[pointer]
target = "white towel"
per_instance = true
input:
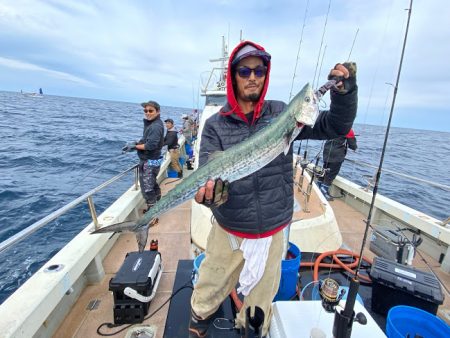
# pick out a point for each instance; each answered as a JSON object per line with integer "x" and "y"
{"x": 255, "y": 252}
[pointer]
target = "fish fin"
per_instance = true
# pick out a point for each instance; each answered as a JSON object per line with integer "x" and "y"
{"x": 117, "y": 227}
{"x": 141, "y": 238}
{"x": 214, "y": 155}
{"x": 289, "y": 139}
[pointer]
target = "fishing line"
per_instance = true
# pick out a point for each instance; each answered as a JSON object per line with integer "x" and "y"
{"x": 298, "y": 51}
{"x": 97, "y": 168}
{"x": 188, "y": 285}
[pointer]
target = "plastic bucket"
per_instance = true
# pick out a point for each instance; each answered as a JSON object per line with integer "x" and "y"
{"x": 172, "y": 173}
{"x": 197, "y": 261}
{"x": 189, "y": 150}
{"x": 289, "y": 274}
{"x": 405, "y": 320}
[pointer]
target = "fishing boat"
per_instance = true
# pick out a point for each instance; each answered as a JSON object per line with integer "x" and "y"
{"x": 33, "y": 94}
{"x": 75, "y": 293}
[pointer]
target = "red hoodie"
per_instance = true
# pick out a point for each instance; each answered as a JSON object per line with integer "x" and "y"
{"x": 231, "y": 97}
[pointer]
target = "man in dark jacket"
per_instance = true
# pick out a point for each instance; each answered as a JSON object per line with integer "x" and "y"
{"x": 334, "y": 153}
{"x": 149, "y": 152}
{"x": 258, "y": 207}
{"x": 171, "y": 141}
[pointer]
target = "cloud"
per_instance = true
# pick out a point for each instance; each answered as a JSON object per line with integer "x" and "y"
{"x": 133, "y": 49}
{"x": 24, "y": 66}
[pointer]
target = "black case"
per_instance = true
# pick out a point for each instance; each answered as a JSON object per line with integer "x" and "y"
{"x": 133, "y": 273}
{"x": 389, "y": 243}
{"x": 397, "y": 284}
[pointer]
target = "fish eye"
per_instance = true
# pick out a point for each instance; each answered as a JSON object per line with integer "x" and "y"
{"x": 307, "y": 99}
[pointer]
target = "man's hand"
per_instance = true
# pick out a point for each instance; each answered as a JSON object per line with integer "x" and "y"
{"x": 130, "y": 146}
{"x": 346, "y": 72}
{"x": 213, "y": 193}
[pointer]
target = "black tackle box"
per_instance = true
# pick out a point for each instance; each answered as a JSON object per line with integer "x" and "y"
{"x": 139, "y": 272}
{"x": 397, "y": 284}
{"x": 391, "y": 244}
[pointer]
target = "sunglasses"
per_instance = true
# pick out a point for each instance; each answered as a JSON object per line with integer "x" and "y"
{"x": 245, "y": 72}
{"x": 148, "y": 110}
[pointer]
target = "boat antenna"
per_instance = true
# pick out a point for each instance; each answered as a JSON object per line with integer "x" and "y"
{"x": 343, "y": 321}
{"x": 298, "y": 51}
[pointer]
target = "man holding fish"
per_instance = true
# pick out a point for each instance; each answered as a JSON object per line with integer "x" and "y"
{"x": 245, "y": 244}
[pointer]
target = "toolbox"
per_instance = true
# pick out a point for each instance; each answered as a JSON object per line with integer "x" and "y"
{"x": 396, "y": 284}
{"x": 134, "y": 286}
{"x": 391, "y": 244}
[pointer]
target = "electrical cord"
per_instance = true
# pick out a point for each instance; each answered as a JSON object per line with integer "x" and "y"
{"x": 111, "y": 325}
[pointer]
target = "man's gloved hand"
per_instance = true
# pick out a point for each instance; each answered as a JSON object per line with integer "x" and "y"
{"x": 347, "y": 73}
{"x": 129, "y": 146}
{"x": 213, "y": 193}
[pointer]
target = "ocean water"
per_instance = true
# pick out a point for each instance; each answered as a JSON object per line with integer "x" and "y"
{"x": 55, "y": 149}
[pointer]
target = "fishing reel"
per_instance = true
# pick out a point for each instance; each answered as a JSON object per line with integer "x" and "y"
{"x": 330, "y": 295}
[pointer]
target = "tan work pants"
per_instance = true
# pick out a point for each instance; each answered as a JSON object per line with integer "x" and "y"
{"x": 219, "y": 274}
{"x": 174, "y": 160}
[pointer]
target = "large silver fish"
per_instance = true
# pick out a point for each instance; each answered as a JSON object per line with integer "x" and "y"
{"x": 234, "y": 163}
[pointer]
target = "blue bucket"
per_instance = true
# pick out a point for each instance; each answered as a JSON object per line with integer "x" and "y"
{"x": 189, "y": 150}
{"x": 172, "y": 173}
{"x": 403, "y": 320}
{"x": 289, "y": 274}
{"x": 197, "y": 261}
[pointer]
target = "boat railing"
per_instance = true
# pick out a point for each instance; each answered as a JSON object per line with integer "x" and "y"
{"x": 57, "y": 213}
{"x": 212, "y": 84}
{"x": 409, "y": 177}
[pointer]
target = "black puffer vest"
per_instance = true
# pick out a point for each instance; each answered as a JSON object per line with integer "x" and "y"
{"x": 263, "y": 201}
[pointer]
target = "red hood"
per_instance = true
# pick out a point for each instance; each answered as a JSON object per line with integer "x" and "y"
{"x": 350, "y": 134}
{"x": 231, "y": 97}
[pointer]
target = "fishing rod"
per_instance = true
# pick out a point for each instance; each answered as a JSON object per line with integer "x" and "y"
{"x": 343, "y": 320}
{"x": 298, "y": 51}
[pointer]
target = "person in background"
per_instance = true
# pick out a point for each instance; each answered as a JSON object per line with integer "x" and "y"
{"x": 250, "y": 213}
{"x": 187, "y": 128}
{"x": 149, "y": 152}
{"x": 334, "y": 153}
{"x": 171, "y": 141}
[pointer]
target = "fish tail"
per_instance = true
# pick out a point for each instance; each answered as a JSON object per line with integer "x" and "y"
{"x": 118, "y": 227}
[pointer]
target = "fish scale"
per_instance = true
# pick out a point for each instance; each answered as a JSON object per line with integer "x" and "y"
{"x": 234, "y": 163}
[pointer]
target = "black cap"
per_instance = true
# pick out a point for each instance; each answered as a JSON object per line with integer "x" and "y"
{"x": 154, "y": 104}
{"x": 169, "y": 120}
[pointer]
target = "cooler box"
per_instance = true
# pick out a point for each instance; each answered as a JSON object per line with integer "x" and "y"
{"x": 139, "y": 272}
{"x": 391, "y": 244}
{"x": 397, "y": 284}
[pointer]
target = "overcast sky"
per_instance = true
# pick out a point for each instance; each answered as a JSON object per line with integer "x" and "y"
{"x": 139, "y": 50}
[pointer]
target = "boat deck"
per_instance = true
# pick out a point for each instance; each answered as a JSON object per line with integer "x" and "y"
{"x": 173, "y": 234}
{"x": 352, "y": 224}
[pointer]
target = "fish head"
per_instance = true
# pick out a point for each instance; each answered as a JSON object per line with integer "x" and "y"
{"x": 304, "y": 107}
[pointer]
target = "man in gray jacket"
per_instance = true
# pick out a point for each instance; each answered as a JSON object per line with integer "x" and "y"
{"x": 257, "y": 207}
{"x": 149, "y": 152}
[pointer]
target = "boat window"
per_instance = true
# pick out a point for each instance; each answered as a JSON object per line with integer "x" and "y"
{"x": 215, "y": 100}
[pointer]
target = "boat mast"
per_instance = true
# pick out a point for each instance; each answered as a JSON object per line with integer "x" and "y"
{"x": 343, "y": 320}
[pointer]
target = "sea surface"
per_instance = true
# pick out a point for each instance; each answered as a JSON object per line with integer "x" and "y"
{"x": 55, "y": 149}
